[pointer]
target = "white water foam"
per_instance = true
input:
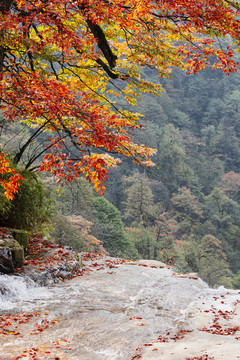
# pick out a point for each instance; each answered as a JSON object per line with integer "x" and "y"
{"x": 17, "y": 289}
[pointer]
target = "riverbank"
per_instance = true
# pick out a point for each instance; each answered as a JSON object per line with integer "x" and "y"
{"x": 112, "y": 309}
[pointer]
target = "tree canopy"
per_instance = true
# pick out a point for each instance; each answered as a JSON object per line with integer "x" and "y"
{"x": 68, "y": 68}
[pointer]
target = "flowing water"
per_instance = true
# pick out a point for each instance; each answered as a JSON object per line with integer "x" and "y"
{"x": 102, "y": 315}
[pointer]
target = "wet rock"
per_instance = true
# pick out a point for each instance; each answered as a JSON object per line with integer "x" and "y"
{"x": 53, "y": 275}
{"x": 6, "y": 263}
{"x": 16, "y": 249}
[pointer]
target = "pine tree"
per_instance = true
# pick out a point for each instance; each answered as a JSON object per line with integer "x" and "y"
{"x": 139, "y": 205}
{"x": 212, "y": 261}
{"x": 108, "y": 227}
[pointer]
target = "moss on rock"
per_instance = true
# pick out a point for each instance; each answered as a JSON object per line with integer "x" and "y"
{"x": 16, "y": 249}
{"x": 22, "y": 237}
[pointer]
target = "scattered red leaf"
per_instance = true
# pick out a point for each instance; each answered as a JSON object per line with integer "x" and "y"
{"x": 135, "y": 318}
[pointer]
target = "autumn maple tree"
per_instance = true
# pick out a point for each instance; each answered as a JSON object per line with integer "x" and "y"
{"x": 67, "y": 65}
{"x": 10, "y": 185}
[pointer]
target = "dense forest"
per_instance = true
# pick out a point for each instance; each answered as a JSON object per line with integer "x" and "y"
{"x": 185, "y": 211}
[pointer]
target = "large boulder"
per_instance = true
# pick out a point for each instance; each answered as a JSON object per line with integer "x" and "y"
{"x": 6, "y": 263}
{"x": 16, "y": 249}
{"x": 22, "y": 237}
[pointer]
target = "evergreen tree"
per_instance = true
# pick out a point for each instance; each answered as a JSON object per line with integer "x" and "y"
{"x": 223, "y": 215}
{"x": 186, "y": 211}
{"x": 109, "y": 228}
{"x": 143, "y": 241}
{"x": 212, "y": 261}
{"x": 172, "y": 159}
{"x": 164, "y": 230}
{"x": 139, "y": 206}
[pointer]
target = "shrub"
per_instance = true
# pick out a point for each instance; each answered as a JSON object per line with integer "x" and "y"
{"x": 31, "y": 209}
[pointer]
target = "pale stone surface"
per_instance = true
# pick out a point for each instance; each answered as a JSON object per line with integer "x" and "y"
{"x": 197, "y": 343}
{"x": 116, "y": 308}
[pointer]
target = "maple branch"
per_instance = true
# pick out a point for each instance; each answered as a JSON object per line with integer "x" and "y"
{"x": 19, "y": 155}
{"x": 34, "y": 154}
{"x": 107, "y": 70}
{"x": 102, "y": 43}
{"x": 30, "y": 60}
{"x": 171, "y": 17}
{"x": 5, "y": 6}
{"x": 54, "y": 70}
{"x": 234, "y": 4}
{"x": 69, "y": 133}
{"x": 33, "y": 158}
{"x": 94, "y": 91}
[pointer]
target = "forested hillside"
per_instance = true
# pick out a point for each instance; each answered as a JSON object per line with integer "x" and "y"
{"x": 188, "y": 205}
{"x": 186, "y": 210}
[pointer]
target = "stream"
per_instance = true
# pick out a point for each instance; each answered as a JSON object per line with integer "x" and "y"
{"x": 102, "y": 315}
